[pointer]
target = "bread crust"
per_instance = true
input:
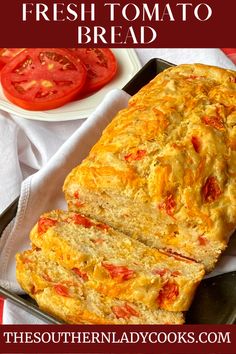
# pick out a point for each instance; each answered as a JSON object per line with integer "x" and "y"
{"x": 164, "y": 169}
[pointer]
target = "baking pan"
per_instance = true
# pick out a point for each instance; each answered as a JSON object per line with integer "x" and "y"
{"x": 215, "y": 299}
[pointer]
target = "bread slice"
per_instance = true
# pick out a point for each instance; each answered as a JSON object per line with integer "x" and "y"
{"x": 164, "y": 169}
{"x": 115, "y": 264}
{"x": 65, "y": 295}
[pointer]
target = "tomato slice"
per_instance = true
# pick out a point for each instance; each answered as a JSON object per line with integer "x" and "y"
{"x": 101, "y": 66}
{"x": 43, "y": 78}
{"x": 120, "y": 272}
{"x": 61, "y": 290}
{"x": 82, "y": 220}
{"x": 168, "y": 205}
{"x": 125, "y": 311}
{"x": 196, "y": 143}
{"x": 168, "y": 293}
{"x": 211, "y": 190}
{"x": 80, "y": 273}
{"x": 138, "y": 155}
{"x": 6, "y": 54}
{"x": 44, "y": 224}
{"x": 214, "y": 121}
{"x": 203, "y": 241}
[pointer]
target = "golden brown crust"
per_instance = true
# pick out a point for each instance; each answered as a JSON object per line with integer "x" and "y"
{"x": 172, "y": 155}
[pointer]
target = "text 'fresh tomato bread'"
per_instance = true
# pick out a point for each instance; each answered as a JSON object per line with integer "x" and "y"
{"x": 115, "y": 264}
{"x": 65, "y": 295}
{"x": 164, "y": 169}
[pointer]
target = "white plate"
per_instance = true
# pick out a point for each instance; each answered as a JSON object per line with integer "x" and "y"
{"x": 128, "y": 66}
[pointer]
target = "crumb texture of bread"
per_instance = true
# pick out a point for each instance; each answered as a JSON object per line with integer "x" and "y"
{"x": 115, "y": 264}
{"x": 164, "y": 169}
{"x": 65, "y": 295}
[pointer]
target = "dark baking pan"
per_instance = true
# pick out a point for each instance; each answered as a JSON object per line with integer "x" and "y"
{"x": 215, "y": 300}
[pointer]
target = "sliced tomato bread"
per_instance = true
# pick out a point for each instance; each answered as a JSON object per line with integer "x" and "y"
{"x": 115, "y": 264}
{"x": 67, "y": 296}
{"x": 164, "y": 169}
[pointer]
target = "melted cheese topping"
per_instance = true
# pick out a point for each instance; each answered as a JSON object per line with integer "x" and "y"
{"x": 173, "y": 148}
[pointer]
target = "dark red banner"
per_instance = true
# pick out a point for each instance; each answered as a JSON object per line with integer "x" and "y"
{"x": 189, "y": 339}
{"x": 102, "y": 23}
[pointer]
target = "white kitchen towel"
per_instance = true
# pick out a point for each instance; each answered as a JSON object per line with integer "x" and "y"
{"x": 210, "y": 56}
{"x": 26, "y": 146}
{"x": 42, "y": 191}
{"x": 10, "y": 171}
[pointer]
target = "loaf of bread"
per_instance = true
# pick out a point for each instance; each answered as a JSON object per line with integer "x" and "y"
{"x": 115, "y": 264}
{"x": 65, "y": 295}
{"x": 164, "y": 169}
